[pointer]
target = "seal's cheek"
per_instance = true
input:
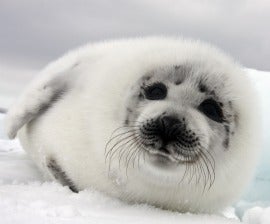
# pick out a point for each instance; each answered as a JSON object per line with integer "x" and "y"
{"x": 200, "y": 125}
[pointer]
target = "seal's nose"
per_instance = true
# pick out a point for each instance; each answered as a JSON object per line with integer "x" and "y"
{"x": 168, "y": 129}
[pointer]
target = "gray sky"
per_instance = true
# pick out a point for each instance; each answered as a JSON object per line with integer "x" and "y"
{"x": 34, "y": 32}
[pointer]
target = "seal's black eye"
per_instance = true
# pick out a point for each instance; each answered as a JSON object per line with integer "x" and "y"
{"x": 212, "y": 110}
{"x": 156, "y": 91}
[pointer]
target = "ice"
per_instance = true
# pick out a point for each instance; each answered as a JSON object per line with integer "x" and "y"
{"x": 260, "y": 188}
{"x": 256, "y": 201}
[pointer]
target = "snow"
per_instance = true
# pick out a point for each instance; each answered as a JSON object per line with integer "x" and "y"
{"x": 257, "y": 215}
{"x": 25, "y": 197}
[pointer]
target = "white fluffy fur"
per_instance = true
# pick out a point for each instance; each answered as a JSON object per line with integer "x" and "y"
{"x": 96, "y": 79}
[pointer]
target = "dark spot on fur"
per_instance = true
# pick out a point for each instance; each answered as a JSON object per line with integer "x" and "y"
{"x": 45, "y": 106}
{"x": 236, "y": 119}
{"x": 226, "y": 142}
{"x": 182, "y": 71}
{"x": 140, "y": 96}
{"x": 147, "y": 78}
{"x": 213, "y": 93}
{"x": 177, "y": 82}
{"x": 60, "y": 175}
{"x": 202, "y": 88}
{"x": 126, "y": 122}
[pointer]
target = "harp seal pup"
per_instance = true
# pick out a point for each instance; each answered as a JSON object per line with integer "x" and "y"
{"x": 170, "y": 122}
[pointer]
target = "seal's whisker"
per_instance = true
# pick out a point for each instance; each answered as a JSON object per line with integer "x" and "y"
{"x": 204, "y": 172}
{"x": 115, "y": 136}
{"x": 193, "y": 172}
{"x": 127, "y": 148}
{"x": 139, "y": 157}
{"x": 128, "y": 127}
{"x": 118, "y": 142}
{"x": 129, "y": 155}
{"x": 114, "y": 151}
{"x": 185, "y": 173}
{"x": 210, "y": 158}
{"x": 198, "y": 171}
{"x": 139, "y": 145}
{"x": 134, "y": 157}
{"x": 123, "y": 150}
{"x": 210, "y": 169}
{"x": 212, "y": 165}
{"x": 124, "y": 142}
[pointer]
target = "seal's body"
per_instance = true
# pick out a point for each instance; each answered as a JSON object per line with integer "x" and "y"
{"x": 164, "y": 121}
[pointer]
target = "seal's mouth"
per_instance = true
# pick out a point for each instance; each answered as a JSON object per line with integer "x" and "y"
{"x": 173, "y": 154}
{"x": 164, "y": 150}
{"x": 162, "y": 158}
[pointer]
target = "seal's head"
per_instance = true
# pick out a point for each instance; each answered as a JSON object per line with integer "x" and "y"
{"x": 181, "y": 117}
{"x": 187, "y": 128}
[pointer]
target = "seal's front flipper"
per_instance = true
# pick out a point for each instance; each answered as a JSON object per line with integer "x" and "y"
{"x": 60, "y": 175}
{"x": 36, "y": 99}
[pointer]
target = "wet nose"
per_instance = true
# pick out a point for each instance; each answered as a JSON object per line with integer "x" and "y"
{"x": 168, "y": 129}
{"x": 169, "y": 121}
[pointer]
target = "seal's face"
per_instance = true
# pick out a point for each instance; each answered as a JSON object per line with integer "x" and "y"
{"x": 177, "y": 115}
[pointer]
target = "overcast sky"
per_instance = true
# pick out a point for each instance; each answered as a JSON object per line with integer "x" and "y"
{"x": 34, "y": 32}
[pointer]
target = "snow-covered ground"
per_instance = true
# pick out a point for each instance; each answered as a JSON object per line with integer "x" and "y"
{"x": 25, "y": 197}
